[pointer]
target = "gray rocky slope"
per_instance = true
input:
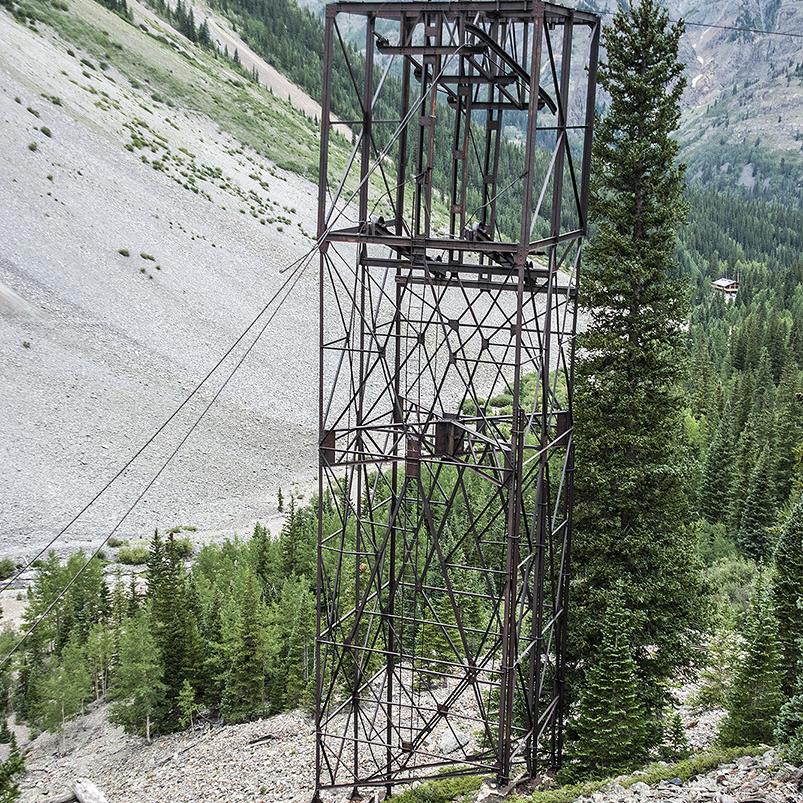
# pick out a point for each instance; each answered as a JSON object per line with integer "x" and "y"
{"x": 97, "y": 348}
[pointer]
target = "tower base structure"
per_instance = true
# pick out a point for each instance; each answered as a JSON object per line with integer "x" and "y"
{"x": 449, "y": 277}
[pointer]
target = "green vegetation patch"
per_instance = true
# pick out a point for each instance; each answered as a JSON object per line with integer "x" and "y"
{"x": 133, "y": 554}
{"x": 452, "y": 789}
{"x": 441, "y": 791}
{"x": 194, "y": 79}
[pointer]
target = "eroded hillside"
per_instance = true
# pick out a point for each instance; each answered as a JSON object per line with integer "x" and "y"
{"x": 150, "y": 198}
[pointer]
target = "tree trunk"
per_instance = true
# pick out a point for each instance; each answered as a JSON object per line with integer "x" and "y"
{"x": 148, "y": 728}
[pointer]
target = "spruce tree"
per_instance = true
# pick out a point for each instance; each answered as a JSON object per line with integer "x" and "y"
{"x": 789, "y": 726}
{"x": 175, "y": 615}
{"x": 717, "y": 470}
{"x": 788, "y": 591}
{"x": 610, "y": 732}
{"x": 757, "y": 692}
{"x": 758, "y": 514}
{"x": 299, "y": 644}
{"x": 630, "y": 498}
{"x": 244, "y": 692}
{"x": 10, "y": 770}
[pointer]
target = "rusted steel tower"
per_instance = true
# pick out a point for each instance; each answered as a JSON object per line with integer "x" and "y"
{"x": 449, "y": 270}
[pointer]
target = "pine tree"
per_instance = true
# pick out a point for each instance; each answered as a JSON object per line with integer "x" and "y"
{"x": 296, "y": 645}
{"x": 244, "y": 693}
{"x": 175, "y": 614}
{"x": 788, "y": 591}
{"x": 757, "y": 691}
{"x": 280, "y": 501}
{"x": 264, "y": 558}
{"x": 137, "y": 687}
{"x": 676, "y": 743}
{"x": 610, "y": 732}
{"x": 789, "y": 426}
{"x": 10, "y": 769}
{"x": 723, "y": 655}
{"x": 789, "y": 726}
{"x": 204, "y": 37}
{"x": 631, "y": 506}
{"x": 717, "y": 471}
{"x": 759, "y": 512}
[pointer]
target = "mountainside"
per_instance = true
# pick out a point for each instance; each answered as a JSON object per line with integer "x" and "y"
{"x": 146, "y": 215}
{"x": 743, "y": 125}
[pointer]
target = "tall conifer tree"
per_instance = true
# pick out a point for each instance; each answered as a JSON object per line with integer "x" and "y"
{"x": 788, "y": 593}
{"x": 630, "y": 494}
{"x": 757, "y": 693}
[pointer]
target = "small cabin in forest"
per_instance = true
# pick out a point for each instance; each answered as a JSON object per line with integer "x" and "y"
{"x": 728, "y": 287}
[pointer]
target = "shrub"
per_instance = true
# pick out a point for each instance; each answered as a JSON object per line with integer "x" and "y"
{"x": 7, "y": 568}
{"x": 33, "y": 146}
{"x": 46, "y": 131}
{"x": 183, "y": 547}
{"x": 34, "y": 112}
{"x": 123, "y": 252}
{"x": 441, "y": 791}
{"x": 147, "y": 256}
{"x": 114, "y": 542}
{"x": 133, "y": 554}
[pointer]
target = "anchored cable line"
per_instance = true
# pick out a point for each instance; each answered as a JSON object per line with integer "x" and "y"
{"x": 8, "y": 583}
{"x": 287, "y": 287}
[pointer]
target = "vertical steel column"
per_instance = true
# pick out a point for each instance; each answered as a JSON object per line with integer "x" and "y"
{"x": 511, "y": 592}
{"x": 544, "y": 523}
{"x": 323, "y": 180}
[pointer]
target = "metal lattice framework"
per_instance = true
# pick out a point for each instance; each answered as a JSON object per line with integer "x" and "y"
{"x": 448, "y": 323}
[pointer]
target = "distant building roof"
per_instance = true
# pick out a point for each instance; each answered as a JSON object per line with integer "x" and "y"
{"x": 724, "y": 282}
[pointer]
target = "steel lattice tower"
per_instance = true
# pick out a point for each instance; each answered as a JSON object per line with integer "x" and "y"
{"x": 448, "y": 314}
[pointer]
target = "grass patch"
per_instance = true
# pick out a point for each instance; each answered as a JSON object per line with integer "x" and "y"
{"x": 440, "y": 791}
{"x": 133, "y": 554}
{"x": 451, "y": 789}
